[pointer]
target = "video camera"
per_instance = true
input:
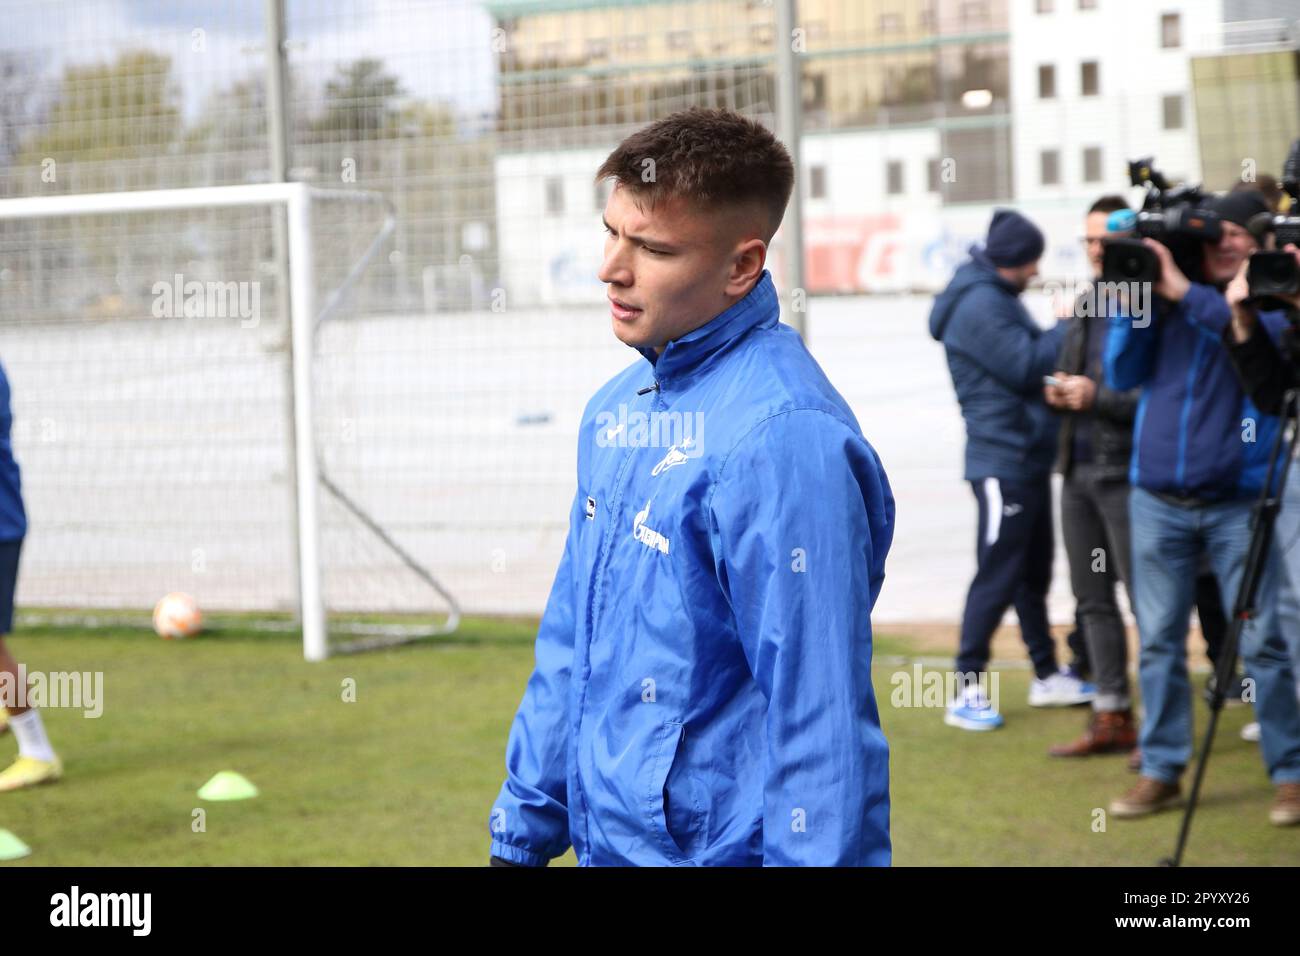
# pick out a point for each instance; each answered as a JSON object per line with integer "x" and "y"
{"x": 1273, "y": 273}
{"x": 1174, "y": 217}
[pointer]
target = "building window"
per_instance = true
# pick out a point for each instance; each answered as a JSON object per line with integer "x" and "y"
{"x": 1171, "y": 108}
{"x": 891, "y": 23}
{"x": 554, "y": 196}
{"x": 1087, "y": 4}
{"x": 761, "y": 34}
{"x": 1171, "y": 31}
{"x": 814, "y": 91}
{"x": 1092, "y": 164}
{"x": 1047, "y": 82}
{"x": 974, "y": 14}
{"x": 932, "y": 170}
{"x": 1089, "y": 82}
{"x": 816, "y": 182}
{"x": 597, "y": 49}
{"x": 894, "y": 177}
{"x": 679, "y": 40}
{"x": 1044, "y": 6}
{"x": 1049, "y": 167}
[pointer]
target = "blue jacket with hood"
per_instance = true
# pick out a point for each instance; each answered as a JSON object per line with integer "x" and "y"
{"x": 13, "y": 519}
{"x": 1197, "y": 434}
{"x": 998, "y": 356}
{"x": 702, "y": 690}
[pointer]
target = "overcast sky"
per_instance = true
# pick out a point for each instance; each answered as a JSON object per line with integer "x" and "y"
{"x": 440, "y": 49}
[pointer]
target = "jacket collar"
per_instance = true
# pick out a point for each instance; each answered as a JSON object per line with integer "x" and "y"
{"x": 981, "y": 259}
{"x": 758, "y": 309}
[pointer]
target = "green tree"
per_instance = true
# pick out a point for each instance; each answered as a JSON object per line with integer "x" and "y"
{"x": 108, "y": 111}
{"x": 359, "y": 103}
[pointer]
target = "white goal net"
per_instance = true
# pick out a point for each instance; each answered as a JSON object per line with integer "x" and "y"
{"x": 189, "y": 418}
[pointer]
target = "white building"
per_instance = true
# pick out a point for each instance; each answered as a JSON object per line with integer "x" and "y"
{"x": 1092, "y": 85}
{"x": 1095, "y": 83}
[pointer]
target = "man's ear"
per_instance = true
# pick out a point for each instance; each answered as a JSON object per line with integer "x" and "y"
{"x": 747, "y": 265}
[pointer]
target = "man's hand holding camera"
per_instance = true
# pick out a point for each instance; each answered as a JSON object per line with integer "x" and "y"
{"x": 1172, "y": 284}
{"x": 1244, "y": 315}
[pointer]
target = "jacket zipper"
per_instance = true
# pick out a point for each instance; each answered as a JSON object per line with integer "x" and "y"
{"x": 593, "y": 609}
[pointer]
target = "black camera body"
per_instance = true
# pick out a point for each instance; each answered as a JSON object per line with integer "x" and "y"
{"x": 1174, "y": 217}
{"x": 1275, "y": 273}
{"x": 1271, "y": 274}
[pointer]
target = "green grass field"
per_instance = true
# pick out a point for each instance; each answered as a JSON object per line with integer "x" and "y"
{"x": 407, "y": 774}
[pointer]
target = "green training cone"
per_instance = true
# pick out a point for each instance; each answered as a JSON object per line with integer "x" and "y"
{"x": 228, "y": 785}
{"x": 12, "y": 848}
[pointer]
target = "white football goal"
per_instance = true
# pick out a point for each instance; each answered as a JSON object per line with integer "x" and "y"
{"x": 188, "y": 418}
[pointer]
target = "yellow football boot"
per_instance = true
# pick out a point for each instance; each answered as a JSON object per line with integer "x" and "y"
{"x": 28, "y": 772}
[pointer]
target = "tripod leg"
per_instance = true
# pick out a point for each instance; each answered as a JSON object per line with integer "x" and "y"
{"x": 1256, "y": 558}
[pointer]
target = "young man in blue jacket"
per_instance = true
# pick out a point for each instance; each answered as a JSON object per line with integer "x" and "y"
{"x": 998, "y": 357}
{"x": 1200, "y": 454}
{"x": 702, "y": 691}
{"x": 36, "y": 762}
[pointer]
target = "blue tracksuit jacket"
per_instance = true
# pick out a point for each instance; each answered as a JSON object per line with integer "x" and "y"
{"x": 998, "y": 356}
{"x": 702, "y": 691}
{"x": 13, "y": 519}
{"x": 1196, "y": 433}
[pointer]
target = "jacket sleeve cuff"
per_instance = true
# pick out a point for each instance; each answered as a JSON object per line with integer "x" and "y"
{"x": 516, "y": 854}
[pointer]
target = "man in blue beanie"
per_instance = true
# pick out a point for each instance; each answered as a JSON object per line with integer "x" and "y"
{"x": 999, "y": 357}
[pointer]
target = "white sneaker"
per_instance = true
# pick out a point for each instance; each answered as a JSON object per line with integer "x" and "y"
{"x": 1062, "y": 689}
{"x": 972, "y": 711}
{"x": 1251, "y": 732}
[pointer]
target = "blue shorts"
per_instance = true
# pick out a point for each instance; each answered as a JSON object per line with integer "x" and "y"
{"x": 8, "y": 582}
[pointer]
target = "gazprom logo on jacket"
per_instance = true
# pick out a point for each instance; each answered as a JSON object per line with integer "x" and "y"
{"x": 634, "y": 428}
{"x": 647, "y": 535}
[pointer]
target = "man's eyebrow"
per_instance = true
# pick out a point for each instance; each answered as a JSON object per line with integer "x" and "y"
{"x": 667, "y": 246}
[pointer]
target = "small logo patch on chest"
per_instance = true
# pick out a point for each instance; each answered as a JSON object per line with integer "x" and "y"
{"x": 591, "y": 507}
{"x": 647, "y": 535}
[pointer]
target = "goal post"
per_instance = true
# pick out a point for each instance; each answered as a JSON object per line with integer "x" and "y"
{"x": 309, "y": 310}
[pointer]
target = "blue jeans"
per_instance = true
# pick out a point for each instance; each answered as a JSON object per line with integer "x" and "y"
{"x": 1286, "y": 541}
{"x": 1167, "y": 543}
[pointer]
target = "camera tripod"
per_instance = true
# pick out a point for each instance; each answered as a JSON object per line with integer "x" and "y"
{"x": 1263, "y": 519}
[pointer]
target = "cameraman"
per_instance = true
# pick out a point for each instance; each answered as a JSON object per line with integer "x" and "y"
{"x": 1199, "y": 457}
{"x": 1266, "y": 375}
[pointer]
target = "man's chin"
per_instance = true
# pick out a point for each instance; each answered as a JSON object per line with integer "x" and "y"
{"x": 1224, "y": 274}
{"x": 629, "y": 334}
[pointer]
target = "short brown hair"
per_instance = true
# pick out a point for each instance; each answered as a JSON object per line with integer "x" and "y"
{"x": 711, "y": 157}
{"x": 1110, "y": 203}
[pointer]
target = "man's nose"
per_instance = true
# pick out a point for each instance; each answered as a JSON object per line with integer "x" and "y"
{"x": 613, "y": 268}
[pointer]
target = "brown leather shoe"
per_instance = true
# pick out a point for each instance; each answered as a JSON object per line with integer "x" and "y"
{"x": 1135, "y": 760}
{"x": 1148, "y": 795}
{"x": 1109, "y": 731}
{"x": 1285, "y": 811}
